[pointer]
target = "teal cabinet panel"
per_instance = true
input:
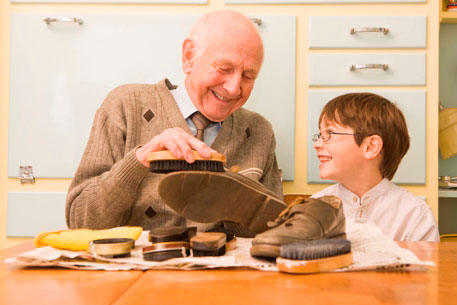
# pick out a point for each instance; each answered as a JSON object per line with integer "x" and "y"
{"x": 30, "y": 213}
{"x": 382, "y": 69}
{"x": 60, "y": 72}
{"x": 367, "y": 32}
{"x": 412, "y": 169}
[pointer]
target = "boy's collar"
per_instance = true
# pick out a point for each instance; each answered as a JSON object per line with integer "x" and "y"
{"x": 375, "y": 192}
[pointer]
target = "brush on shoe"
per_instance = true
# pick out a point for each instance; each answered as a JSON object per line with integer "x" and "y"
{"x": 163, "y": 161}
{"x": 208, "y": 244}
{"x": 314, "y": 256}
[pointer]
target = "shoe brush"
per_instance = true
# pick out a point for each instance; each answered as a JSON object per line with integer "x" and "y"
{"x": 230, "y": 237}
{"x": 208, "y": 244}
{"x": 314, "y": 256}
{"x": 168, "y": 234}
{"x": 163, "y": 161}
{"x": 169, "y": 242}
{"x": 162, "y": 251}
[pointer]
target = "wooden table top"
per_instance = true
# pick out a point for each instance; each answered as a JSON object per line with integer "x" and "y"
{"x": 415, "y": 285}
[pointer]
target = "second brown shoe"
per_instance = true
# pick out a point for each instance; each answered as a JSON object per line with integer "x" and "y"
{"x": 206, "y": 197}
{"x": 303, "y": 220}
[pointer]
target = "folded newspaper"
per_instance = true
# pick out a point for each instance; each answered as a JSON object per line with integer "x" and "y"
{"x": 370, "y": 247}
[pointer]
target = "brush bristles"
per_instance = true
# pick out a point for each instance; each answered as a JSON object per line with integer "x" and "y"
{"x": 216, "y": 252}
{"x": 166, "y": 166}
{"x": 315, "y": 249}
{"x": 228, "y": 232}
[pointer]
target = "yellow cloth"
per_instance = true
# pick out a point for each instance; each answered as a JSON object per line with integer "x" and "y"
{"x": 79, "y": 239}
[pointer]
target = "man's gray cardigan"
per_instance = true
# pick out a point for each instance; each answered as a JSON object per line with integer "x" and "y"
{"x": 112, "y": 188}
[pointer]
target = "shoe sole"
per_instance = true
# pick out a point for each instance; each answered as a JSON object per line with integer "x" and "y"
{"x": 207, "y": 197}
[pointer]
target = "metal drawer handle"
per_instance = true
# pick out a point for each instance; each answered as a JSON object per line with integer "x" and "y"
{"x": 258, "y": 21}
{"x": 384, "y": 67}
{"x": 385, "y": 31}
{"x": 48, "y": 20}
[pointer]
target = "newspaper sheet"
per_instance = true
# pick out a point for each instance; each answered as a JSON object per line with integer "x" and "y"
{"x": 370, "y": 247}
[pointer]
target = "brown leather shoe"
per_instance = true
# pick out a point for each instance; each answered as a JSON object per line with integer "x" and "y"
{"x": 206, "y": 197}
{"x": 302, "y": 220}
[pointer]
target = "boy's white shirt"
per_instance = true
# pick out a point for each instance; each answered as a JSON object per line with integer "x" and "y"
{"x": 398, "y": 213}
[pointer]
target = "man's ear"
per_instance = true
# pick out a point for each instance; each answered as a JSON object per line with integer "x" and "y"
{"x": 188, "y": 54}
{"x": 372, "y": 146}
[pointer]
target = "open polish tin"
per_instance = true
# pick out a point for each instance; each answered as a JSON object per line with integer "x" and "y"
{"x": 112, "y": 247}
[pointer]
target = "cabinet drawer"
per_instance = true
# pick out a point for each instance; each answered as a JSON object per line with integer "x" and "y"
{"x": 367, "y": 32}
{"x": 412, "y": 104}
{"x": 335, "y": 69}
{"x": 32, "y": 212}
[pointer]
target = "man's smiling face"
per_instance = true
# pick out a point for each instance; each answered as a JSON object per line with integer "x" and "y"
{"x": 221, "y": 70}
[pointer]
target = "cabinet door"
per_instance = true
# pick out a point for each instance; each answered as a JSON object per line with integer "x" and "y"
{"x": 32, "y": 212}
{"x": 381, "y": 69}
{"x": 367, "y": 32}
{"x": 412, "y": 104}
{"x": 60, "y": 72}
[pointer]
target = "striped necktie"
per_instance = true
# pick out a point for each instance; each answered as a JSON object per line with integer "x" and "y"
{"x": 200, "y": 123}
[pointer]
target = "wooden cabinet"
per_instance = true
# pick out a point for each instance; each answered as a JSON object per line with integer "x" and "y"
{"x": 61, "y": 70}
{"x": 55, "y": 83}
{"x": 338, "y": 69}
{"x": 63, "y": 66}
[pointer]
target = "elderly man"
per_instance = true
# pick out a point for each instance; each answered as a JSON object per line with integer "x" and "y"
{"x": 221, "y": 60}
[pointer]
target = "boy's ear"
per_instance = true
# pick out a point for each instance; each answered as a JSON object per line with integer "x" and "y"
{"x": 372, "y": 146}
{"x": 188, "y": 54}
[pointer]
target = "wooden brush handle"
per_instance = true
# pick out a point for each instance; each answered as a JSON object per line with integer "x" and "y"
{"x": 208, "y": 241}
{"x": 167, "y": 155}
{"x": 166, "y": 246}
{"x": 314, "y": 266}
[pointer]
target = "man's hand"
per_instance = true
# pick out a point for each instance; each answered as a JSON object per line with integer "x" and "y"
{"x": 178, "y": 142}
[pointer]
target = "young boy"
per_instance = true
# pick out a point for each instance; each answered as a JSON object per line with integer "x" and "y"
{"x": 362, "y": 139}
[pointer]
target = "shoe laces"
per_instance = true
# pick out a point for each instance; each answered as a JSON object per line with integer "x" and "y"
{"x": 285, "y": 214}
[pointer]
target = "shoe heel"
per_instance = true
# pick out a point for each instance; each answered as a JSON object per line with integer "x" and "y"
{"x": 270, "y": 209}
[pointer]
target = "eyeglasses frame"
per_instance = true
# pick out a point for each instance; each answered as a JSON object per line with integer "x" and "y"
{"x": 318, "y": 136}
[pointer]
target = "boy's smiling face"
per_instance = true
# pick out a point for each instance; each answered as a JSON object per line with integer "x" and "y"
{"x": 340, "y": 156}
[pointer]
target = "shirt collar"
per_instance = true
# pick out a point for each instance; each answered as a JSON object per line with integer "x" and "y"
{"x": 373, "y": 194}
{"x": 183, "y": 101}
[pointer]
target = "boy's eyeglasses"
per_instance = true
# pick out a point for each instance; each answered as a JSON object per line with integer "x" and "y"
{"x": 326, "y": 135}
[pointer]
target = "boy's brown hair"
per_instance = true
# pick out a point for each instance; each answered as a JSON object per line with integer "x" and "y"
{"x": 370, "y": 114}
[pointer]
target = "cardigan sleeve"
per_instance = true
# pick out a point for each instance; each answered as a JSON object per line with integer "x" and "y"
{"x": 105, "y": 185}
